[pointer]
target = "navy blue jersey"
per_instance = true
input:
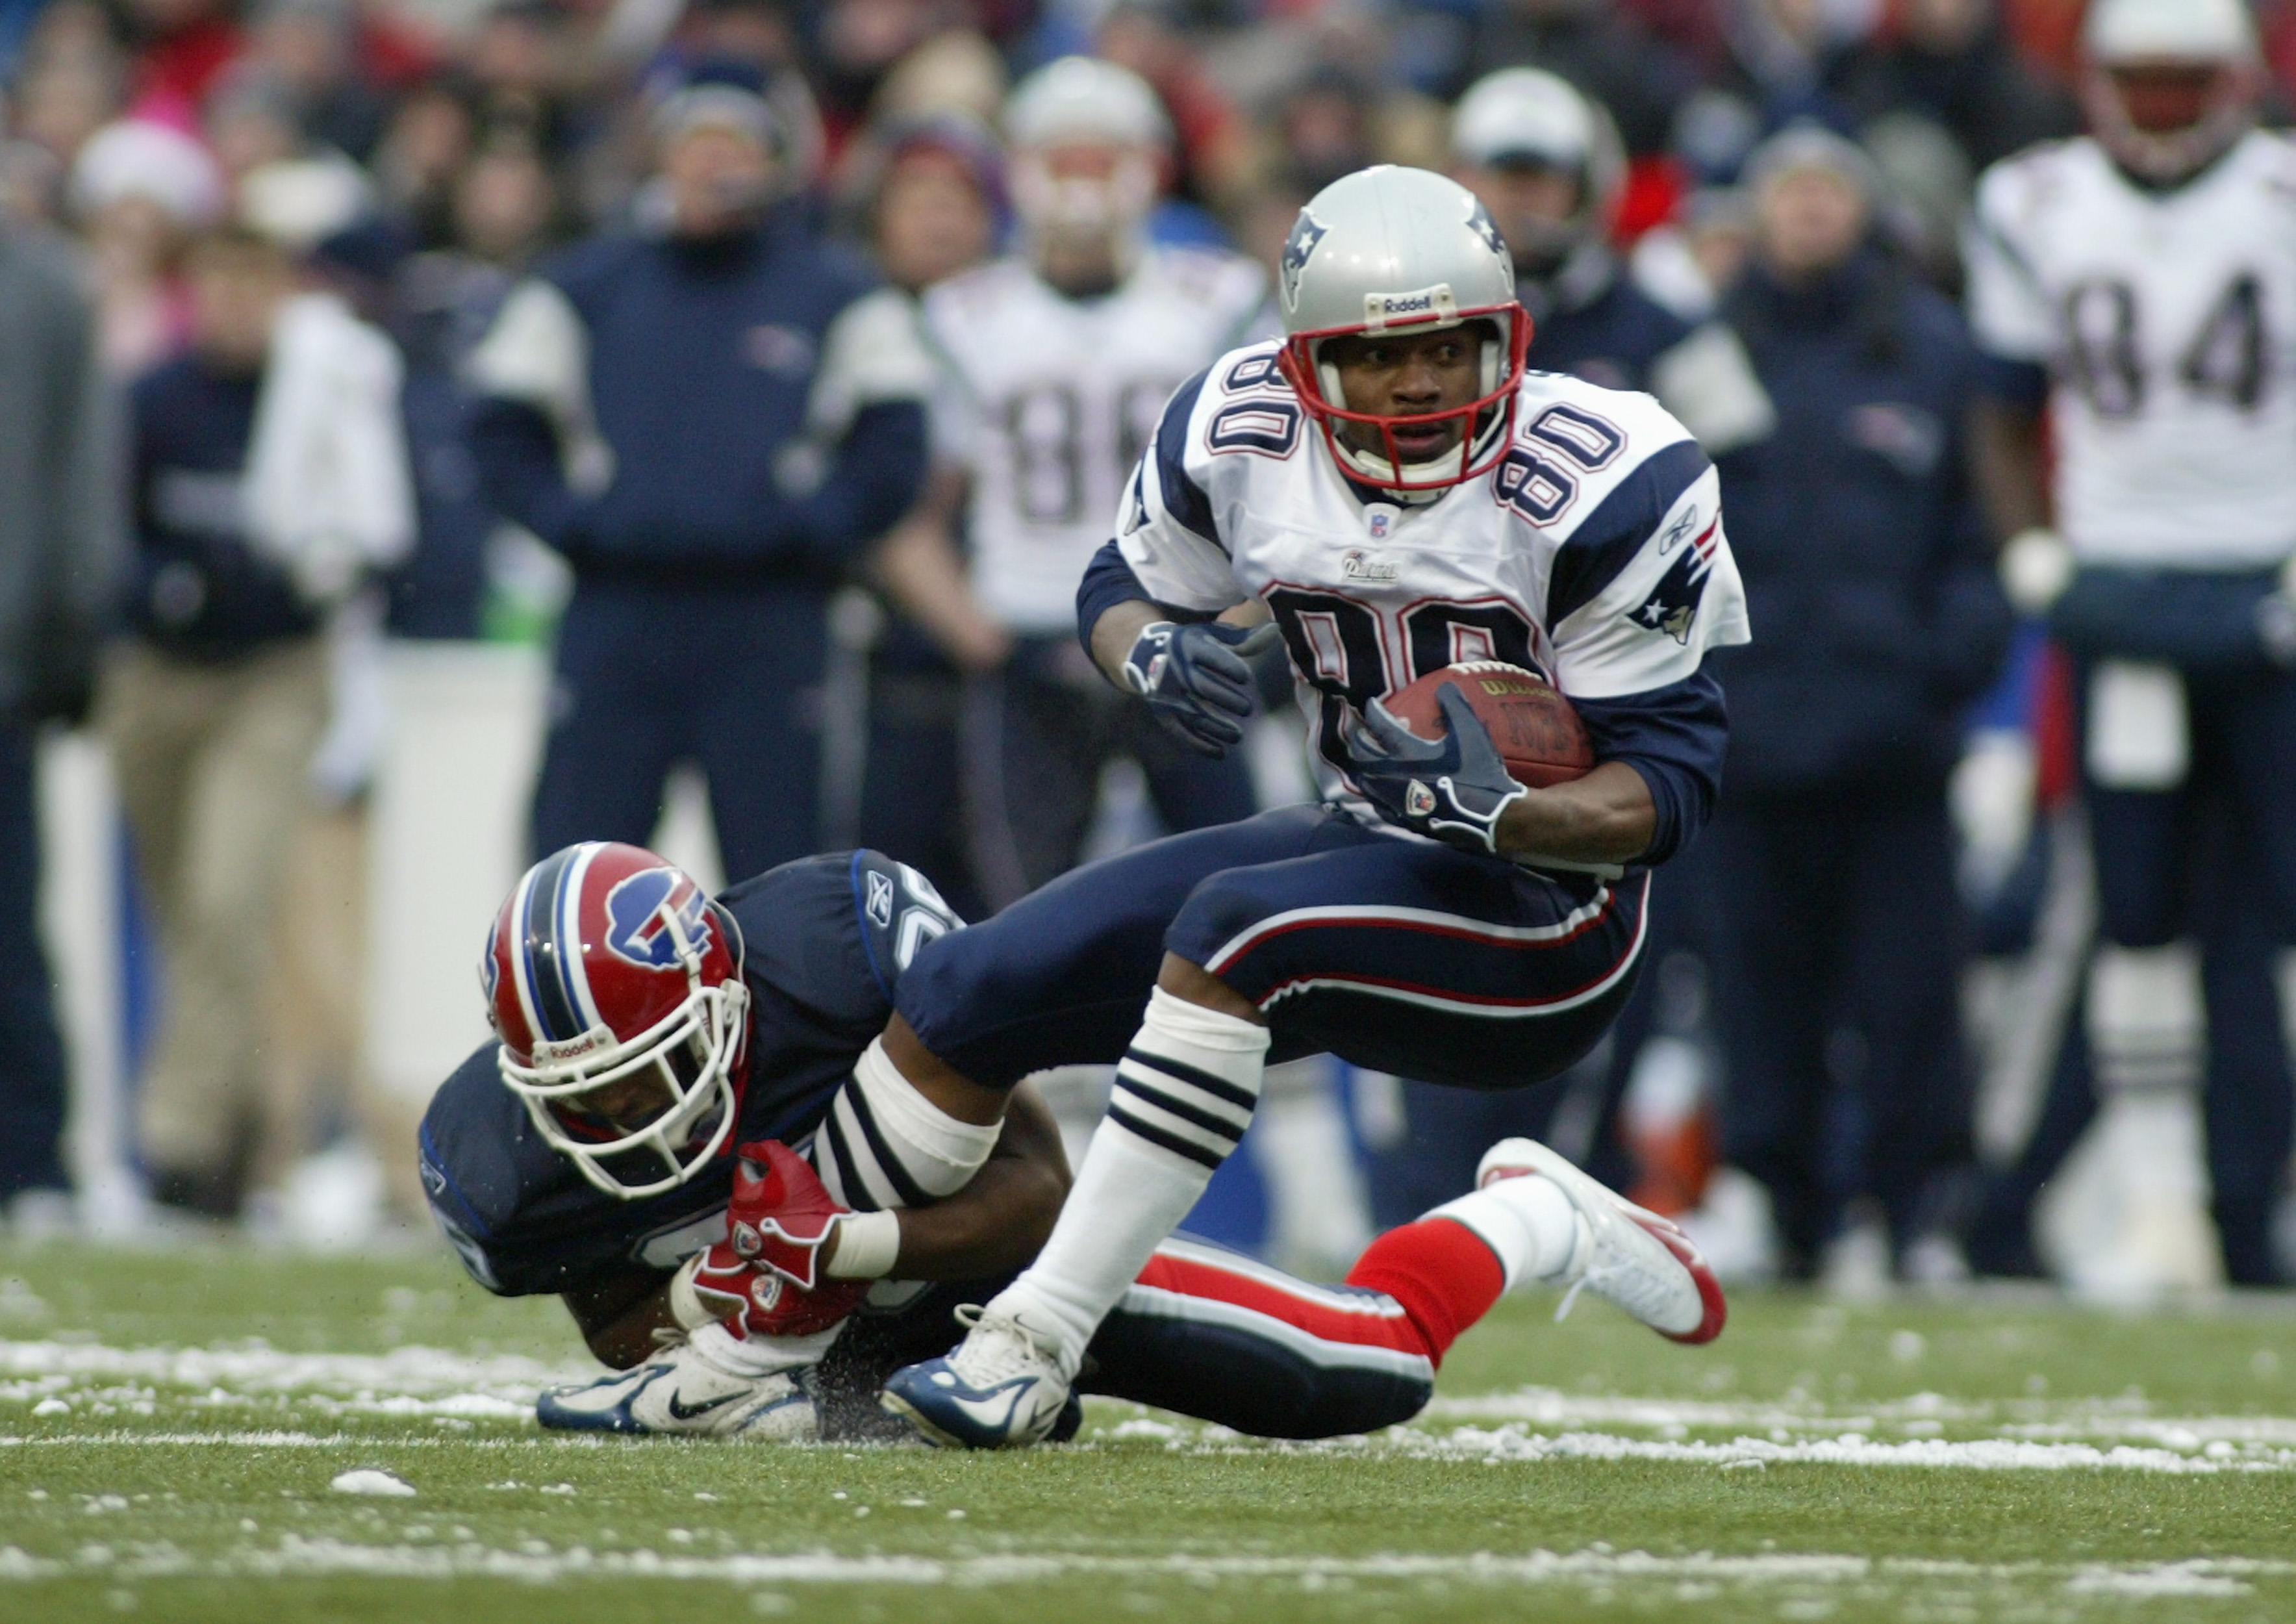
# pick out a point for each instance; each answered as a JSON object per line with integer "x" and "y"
{"x": 826, "y": 939}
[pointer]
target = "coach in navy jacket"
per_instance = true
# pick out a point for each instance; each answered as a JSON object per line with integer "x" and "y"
{"x": 1840, "y": 936}
{"x": 709, "y": 420}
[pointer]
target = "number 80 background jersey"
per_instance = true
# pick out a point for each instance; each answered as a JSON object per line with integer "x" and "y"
{"x": 2167, "y": 320}
{"x": 1049, "y": 401}
{"x": 1594, "y": 553}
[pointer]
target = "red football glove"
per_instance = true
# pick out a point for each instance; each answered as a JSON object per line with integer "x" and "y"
{"x": 758, "y": 1302}
{"x": 780, "y": 1215}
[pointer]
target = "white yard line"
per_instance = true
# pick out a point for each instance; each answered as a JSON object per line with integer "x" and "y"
{"x": 536, "y": 1561}
{"x": 93, "y": 1382}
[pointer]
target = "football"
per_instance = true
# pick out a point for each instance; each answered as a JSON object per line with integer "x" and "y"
{"x": 1539, "y": 734}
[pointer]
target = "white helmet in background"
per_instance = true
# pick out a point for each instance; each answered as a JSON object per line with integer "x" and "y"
{"x": 1082, "y": 102}
{"x": 1391, "y": 249}
{"x": 2169, "y": 85}
{"x": 1527, "y": 117}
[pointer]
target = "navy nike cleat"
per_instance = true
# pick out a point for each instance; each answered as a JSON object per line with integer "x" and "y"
{"x": 681, "y": 1394}
{"x": 1000, "y": 1388}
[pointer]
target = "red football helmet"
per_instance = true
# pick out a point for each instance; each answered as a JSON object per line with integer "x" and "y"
{"x": 615, "y": 984}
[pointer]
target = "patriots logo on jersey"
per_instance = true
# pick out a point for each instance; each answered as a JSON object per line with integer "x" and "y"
{"x": 1672, "y": 606}
{"x": 638, "y": 912}
{"x": 1308, "y": 232}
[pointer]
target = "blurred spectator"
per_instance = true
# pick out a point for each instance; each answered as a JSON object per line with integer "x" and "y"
{"x": 1546, "y": 163}
{"x": 937, "y": 212}
{"x": 432, "y": 132}
{"x": 62, "y": 98}
{"x": 308, "y": 48}
{"x": 1949, "y": 61}
{"x": 1596, "y": 44}
{"x": 269, "y": 473}
{"x": 1059, "y": 361}
{"x": 709, "y": 423}
{"x": 140, "y": 192}
{"x": 1838, "y": 941}
{"x": 1775, "y": 70}
{"x": 58, "y": 553}
{"x": 182, "y": 48}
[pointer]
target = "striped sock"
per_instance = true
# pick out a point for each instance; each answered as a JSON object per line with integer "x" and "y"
{"x": 1185, "y": 1093}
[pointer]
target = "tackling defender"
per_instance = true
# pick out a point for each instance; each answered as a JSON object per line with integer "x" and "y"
{"x": 1398, "y": 494}
{"x": 647, "y": 1030}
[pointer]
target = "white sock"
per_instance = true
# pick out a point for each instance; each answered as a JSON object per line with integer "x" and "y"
{"x": 1185, "y": 1093}
{"x": 759, "y": 1356}
{"x": 1527, "y": 1221}
{"x": 883, "y": 1144}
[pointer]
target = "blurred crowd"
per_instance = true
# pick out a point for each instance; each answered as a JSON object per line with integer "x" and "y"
{"x": 278, "y": 383}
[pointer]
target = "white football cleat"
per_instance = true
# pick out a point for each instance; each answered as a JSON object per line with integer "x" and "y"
{"x": 1626, "y": 1254}
{"x": 1001, "y": 1388}
{"x": 681, "y": 1394}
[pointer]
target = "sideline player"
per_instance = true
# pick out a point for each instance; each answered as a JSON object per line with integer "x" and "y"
{"x": 2140, "y": 283}
{"x": 647, "y": 1028}
{"x": 1057, "y": 361}
{"x": 1398, "y": 494}
{"x": 1547, "y": 163}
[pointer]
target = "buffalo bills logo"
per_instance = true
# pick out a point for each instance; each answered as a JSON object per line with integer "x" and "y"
{"x": 1301, "y": 247}
{"x": 638, "y": 915}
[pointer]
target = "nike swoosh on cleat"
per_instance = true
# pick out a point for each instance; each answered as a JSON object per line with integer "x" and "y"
{"x": 679, "y": 1412}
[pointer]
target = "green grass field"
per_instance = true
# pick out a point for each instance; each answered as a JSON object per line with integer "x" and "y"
{"x": 170, "y": 1423}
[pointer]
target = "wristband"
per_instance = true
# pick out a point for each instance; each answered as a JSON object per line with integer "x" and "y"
{"x": 868, "y": 1245}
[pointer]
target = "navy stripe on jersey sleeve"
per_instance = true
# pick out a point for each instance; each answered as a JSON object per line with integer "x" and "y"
{"x": 2023, "y": 384}
{"x": 1675, "y": 737}
{"x": 1611, "y": 537}
{"x": 1184, "y": 498}
{"x": 1108, "y": 581}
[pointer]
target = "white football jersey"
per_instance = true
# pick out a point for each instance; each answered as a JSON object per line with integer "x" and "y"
{"x": 1050, "y": 400}
{"x": 1594, "y": 553}
{"x": 2167, "y": 321}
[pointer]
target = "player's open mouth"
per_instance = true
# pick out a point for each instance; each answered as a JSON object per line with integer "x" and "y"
{"x": 1425, "y": 442}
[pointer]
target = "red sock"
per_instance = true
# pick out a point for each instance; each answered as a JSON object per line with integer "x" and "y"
{"x": 1442, "y": 1273}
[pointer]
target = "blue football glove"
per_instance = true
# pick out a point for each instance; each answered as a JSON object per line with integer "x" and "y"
{"x": 1198, "y": 679}
{"x": 1454, "y": 788}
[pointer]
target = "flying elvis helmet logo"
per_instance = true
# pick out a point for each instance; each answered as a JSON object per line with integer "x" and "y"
{"x": 1307, "y": 232}
{"x": 638, "y": 912}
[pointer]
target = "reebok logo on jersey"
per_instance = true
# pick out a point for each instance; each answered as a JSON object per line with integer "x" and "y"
{"x": 881, "y": 899}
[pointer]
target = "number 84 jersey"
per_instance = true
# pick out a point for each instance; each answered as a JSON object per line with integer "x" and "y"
{"x": 1594, "y": 553}
{"x": 2167, "y": 318}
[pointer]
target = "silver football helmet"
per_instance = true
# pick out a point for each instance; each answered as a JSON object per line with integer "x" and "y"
{"x": 1530, "y": 117}
{"x": 1391, "y": 249}
{"x": 2206, "y": 77}
{"x": 1083, "y": 101}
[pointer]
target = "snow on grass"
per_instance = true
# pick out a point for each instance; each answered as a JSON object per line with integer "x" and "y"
{"x": 538, "y": 1562}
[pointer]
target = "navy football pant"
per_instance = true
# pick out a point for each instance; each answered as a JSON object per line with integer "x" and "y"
{"x": 648, "y": 675}
{"x": 1839, "y": 947}
{"x": 1037, "y": 735}
{"x": 1204, "y": 1330}
{"x": 31, "y": 1053}
{"x": 1395, "y": 954}
{"x": 2243, "y": 767}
